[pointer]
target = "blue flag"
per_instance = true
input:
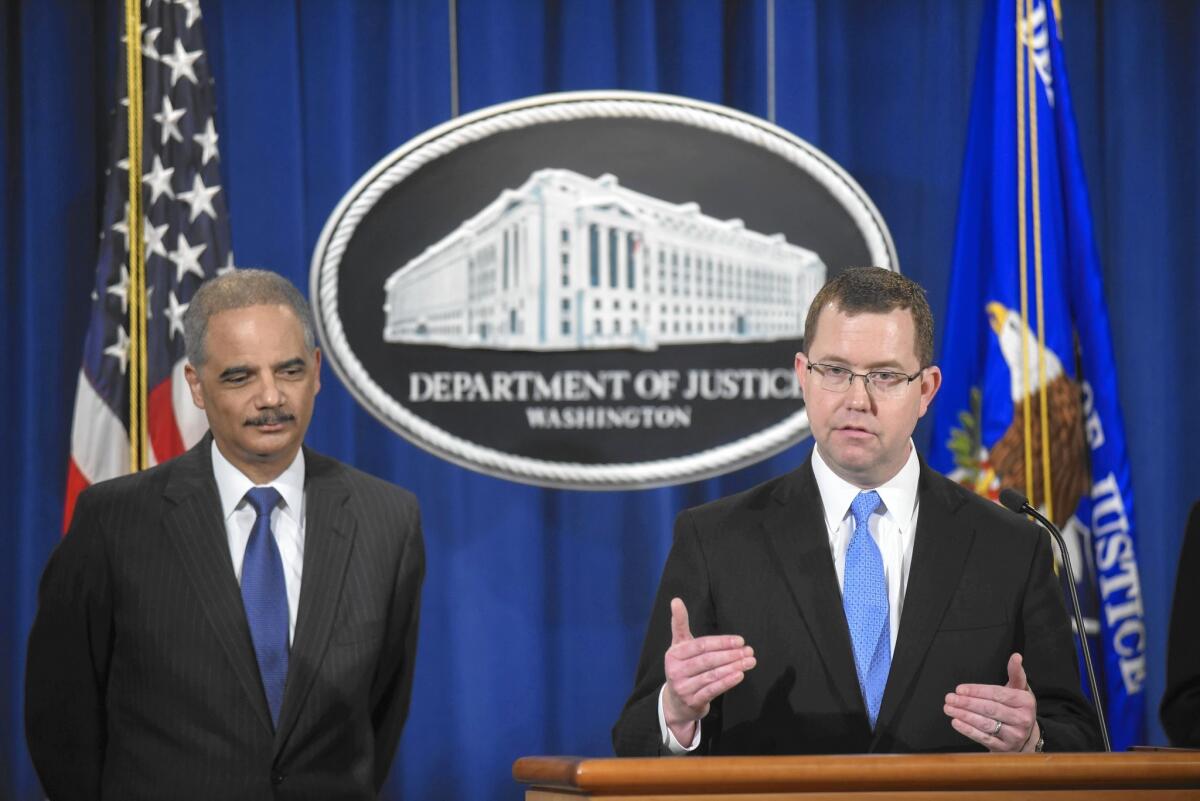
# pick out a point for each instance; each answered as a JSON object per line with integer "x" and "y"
{"x": 1030, "y": 399}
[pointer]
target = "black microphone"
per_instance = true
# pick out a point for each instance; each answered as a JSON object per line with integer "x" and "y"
{"x": 1020, "y": 504}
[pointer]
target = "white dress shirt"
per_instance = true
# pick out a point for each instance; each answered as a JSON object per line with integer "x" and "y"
{"x": 893, "y": 527}
{"x": 287, "y": 521}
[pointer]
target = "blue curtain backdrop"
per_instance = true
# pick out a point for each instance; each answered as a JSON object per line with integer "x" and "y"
{"x": 536, "y": 600}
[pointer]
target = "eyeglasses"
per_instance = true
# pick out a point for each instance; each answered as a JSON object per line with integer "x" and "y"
{"x": 883, "y": 383}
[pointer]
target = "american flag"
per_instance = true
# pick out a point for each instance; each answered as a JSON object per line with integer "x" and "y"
{"x": 186, "y": 240}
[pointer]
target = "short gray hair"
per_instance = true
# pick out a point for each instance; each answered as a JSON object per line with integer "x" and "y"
{"x": 239, "y": 289}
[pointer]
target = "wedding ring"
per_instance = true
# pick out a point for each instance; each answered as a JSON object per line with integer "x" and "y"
{"x": 996, "y": 731}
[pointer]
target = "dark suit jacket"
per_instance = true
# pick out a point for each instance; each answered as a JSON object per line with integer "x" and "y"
{"x": 980, "y": 586}
{"x": 1180, "y": 710}
{"x": 141, "y": 679}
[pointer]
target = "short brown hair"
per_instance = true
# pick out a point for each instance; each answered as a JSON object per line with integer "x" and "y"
{"x": 240, "y": 289}
{"x": 878, "y": 291}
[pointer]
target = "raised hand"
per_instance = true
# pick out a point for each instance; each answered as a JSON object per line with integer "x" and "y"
{"x": 998, "y": 718}
{"x": 698, "y": 669}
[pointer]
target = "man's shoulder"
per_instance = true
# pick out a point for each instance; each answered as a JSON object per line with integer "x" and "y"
{"x": 132, "y": 489}
{"x": 126, "y": 507}
{"x": 986, "y": 515}
{"x": 362, "y": 486}
{"x": 741, "y": 509}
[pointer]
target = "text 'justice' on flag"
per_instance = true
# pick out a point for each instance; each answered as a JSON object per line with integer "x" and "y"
{"x": 136, "y": 324}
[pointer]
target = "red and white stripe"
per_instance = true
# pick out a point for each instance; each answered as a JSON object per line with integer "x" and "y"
{"x": 100, "y": 443}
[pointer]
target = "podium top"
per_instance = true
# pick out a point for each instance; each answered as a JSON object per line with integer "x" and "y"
{"x": 861, "y": 773}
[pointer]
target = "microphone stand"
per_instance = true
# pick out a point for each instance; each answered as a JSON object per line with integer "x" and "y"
{"x": 1018, "y": 503}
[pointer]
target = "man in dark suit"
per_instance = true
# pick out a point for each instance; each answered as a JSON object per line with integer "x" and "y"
{"x": 239, "y": 622}
{"x": 1180, "y": 708}
{"x": 861, "y": 603}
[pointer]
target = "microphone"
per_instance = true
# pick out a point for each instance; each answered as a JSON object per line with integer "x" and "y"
{"x": 1018, "y": 503}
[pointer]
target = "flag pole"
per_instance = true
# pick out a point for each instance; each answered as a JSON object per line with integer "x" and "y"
{"x": 1022, "y": 255}
{"x": 1047, "y": 498}
{"x": 137, "y": 266}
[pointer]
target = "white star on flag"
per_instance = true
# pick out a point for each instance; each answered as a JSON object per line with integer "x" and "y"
{"x": 121, "y": 289}
{"x": 181, "y": 62}
{"x": 121, "y": 226}
{"x": 120, "y": 349}
{"x": 149, "y": 48}
{"x": 187, "y": 259}
{"x": 154, "y": 239}
{"x": 174, "y": 314}
{"x": 228, "y": 266}
{"x": 199, "y": 197}
{"x": 159, "y": 180}
{"x": 193, "y": 10}
{"x": 169, "y": 118}
{"x": 207, "y": 139}
{"x": 149, "y": 303}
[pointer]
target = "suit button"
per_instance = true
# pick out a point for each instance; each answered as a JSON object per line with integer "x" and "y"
{"x": 277, "y": 778}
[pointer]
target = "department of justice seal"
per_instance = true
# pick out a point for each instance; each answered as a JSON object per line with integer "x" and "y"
{"x": 593, "y": 290}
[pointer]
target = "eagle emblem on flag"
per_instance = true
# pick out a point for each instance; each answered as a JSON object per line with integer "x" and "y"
{"x": 987, "y": 470}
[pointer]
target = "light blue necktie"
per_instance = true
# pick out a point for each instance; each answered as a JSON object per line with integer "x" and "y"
{"x": 865, "y": 599}
{"x": 264, "y": 595}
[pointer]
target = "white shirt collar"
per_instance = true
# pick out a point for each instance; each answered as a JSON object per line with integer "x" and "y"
{"x": 233, "y": 484}
{"x": 898, "y": 493}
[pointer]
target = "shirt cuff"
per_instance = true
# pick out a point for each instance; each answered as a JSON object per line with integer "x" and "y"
{"x": 668, "y": 739}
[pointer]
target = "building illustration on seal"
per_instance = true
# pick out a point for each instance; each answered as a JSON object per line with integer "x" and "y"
{"x": 569, "y": 262}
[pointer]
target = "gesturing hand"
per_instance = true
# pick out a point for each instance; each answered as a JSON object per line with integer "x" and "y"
{"x": 698, "y": 669}
{"x": 998, "y": 718}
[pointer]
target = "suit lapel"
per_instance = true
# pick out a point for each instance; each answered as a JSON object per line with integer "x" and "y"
{"x": 940, "y": 550}
{"x": 797, "y": 533}
{"x": 195, "y": 527}
{"x": 328, "y": 537}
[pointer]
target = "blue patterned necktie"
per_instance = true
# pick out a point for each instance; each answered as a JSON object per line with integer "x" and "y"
{"x": 264, "y": 595}
{"x": 865, "y": 599}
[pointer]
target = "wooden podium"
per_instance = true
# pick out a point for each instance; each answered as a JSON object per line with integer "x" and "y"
{"x": 877, "y": 777}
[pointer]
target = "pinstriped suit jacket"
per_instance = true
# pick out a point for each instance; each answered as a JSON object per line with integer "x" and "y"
{"x": 141, "y": 679}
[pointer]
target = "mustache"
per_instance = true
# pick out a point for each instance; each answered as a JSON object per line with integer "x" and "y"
{"x": 270, "y": 417}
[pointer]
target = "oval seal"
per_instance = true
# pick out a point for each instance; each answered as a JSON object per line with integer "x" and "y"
{"x": 591, "y": 290}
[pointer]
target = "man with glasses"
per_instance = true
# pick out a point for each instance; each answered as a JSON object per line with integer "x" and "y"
{"x": 862, "y": 602}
